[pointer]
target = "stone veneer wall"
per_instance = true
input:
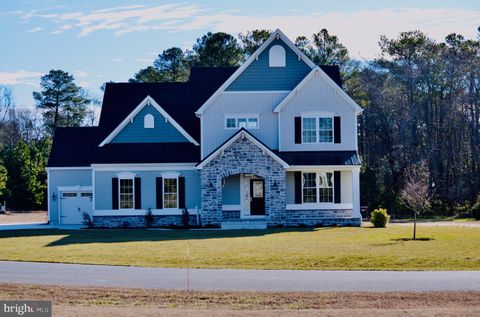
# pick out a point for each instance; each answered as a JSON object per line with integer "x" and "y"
{"x": 340, "y": 217}
{"x": 139, "y": 221}
{"x": 243, "y": 156}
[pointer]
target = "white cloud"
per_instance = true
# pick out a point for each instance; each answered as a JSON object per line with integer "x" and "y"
{"x": 358, "y": 30}
{"x": 37, "y": 29}
{"x": 125, "y": 19}
{"x": 20, "y": 77}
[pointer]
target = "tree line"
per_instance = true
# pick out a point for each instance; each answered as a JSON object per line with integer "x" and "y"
{"x": 419, "y": 132}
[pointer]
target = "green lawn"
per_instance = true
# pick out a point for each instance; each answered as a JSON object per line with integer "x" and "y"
{"x": 449, "y": 248}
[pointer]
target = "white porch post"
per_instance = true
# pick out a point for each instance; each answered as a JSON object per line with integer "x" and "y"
{"x": 356, "y": 192}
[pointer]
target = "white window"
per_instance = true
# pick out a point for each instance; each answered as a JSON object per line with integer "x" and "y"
{"x": 317, "y": 129}
{"x": 170, "y": 192}
{"x": 244, "y": 121}
{"x": 317, "y": 187}
{"x": 126, "y": 193}
{"x": 148, "y": 121}
{"x": 276, "y": 56}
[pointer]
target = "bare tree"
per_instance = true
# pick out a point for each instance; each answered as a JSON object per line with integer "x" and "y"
{"x": 417, "y": 192}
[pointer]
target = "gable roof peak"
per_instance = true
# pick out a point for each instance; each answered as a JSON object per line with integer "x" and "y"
{"x": 148, "y": 101}
{"x": 281, "y": 36}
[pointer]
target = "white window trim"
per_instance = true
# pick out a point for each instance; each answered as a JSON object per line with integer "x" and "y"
{"x": 169, "y": 175}
{"x": 126, "y": 175}
{"x": 241, "y": 116}
{"x": 317, "y": 127}
{"x": 317, "y": 189}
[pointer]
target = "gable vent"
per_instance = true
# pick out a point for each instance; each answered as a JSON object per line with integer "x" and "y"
{"x": 276, "y": 56}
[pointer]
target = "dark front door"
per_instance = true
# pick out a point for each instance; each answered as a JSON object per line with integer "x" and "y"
{"x": 257, "y": 192}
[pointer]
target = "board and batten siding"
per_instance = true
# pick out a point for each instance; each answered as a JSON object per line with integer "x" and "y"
{"x": 76, "y": 177}
{"x": 103, "y": 188}
{"x": 317, "y": 96}
{"x": 345, "y": 186}
{"x": 214, "y": 132}
{"x": 231, "y": 190}
{"x": 260, "y": 76}
{"x": 134, "y": 131}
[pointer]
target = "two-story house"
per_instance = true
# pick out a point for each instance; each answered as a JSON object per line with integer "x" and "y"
{"x": 273, "y": 142}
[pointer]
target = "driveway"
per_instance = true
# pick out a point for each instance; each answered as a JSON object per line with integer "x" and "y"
{"x": 236, "y": 280}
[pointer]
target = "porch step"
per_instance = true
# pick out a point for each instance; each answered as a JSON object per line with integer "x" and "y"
{"x": 244, "y": 224}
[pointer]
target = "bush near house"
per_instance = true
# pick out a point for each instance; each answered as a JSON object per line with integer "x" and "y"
{"x": 379, "y": 218}
{"x": 475, "y": 211}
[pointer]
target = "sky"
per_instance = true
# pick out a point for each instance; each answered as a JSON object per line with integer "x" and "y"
{"x": 103, "y": 40}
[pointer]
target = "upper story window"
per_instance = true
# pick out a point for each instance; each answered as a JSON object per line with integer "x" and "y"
{"x": 241, "y": 121}
{"x": 317, "y": 187}
{"x": 277, "y": 56}
{"x": 148, "y": 121}
{"x": 317, "y": 129}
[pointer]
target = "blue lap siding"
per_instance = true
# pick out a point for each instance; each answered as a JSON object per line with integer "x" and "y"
{"x": 103, "y": 188}
{"x": 260, "y": 76}
{"x": 231, "y": 190}
{"x": 134, "y": 132}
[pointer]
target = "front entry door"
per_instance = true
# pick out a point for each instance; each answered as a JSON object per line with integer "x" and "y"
{"x": 257, "y": 200}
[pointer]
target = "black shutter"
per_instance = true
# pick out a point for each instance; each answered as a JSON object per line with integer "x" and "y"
{"x": 337, "y": 130}
{"x": 337, "y": 187}
{"x": 298, "y": 187}
{"x": 181, "y": 192}
{"x": 298, "y": 130}
{"x": 138, "y": 193}
{"x": 115, "y": 193}
{"x": 159, "y": 183}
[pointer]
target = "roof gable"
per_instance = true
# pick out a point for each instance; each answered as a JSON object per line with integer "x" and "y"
{"x": 163, "y": 131}
{"x": 277, "y": 34}
{"x": 318, "y": 74}
{"x": 259, "y": 76}
{"x": 240, "y": 134}
{"x": 148, "y": 101}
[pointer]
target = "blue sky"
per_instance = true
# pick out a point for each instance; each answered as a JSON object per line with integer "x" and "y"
{"x": 106, "y": 40}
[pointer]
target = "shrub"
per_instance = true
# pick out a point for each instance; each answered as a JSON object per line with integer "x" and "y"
{"x": 379, "y": 218}
{"x": 185, "y": 217}
{"x": 87, "y": 220}
{"x": 149, "y": 219}
{"x": 475, "y": 211}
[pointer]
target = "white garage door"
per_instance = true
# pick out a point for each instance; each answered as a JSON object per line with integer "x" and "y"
{"x": 73, "y": 205}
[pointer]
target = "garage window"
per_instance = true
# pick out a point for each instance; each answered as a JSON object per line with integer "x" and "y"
{"x": 126, "y": 198}
{"x": 69, "y": 194}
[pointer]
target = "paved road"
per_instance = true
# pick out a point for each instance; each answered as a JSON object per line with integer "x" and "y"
{"x": 261, "y": 280}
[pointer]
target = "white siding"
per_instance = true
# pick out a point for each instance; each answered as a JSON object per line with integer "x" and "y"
{"x": 262, "y": 103}
{"x": 346, "y": 187}
{"x": 317, "y": 95}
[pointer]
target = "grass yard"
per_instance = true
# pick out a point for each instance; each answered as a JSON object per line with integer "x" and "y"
{"x": 95, "y": 301}
{"x": 449, "y": 248}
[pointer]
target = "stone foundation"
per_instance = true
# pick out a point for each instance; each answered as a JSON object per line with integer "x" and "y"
{"x": 140, "y": 222}
{"x": 341, "y": 217}
{"x": 231, "y": 214}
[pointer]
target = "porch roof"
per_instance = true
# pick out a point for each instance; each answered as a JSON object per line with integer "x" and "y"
{"x": 305, "y": 158}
